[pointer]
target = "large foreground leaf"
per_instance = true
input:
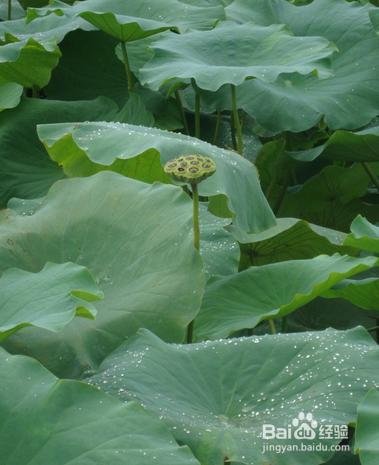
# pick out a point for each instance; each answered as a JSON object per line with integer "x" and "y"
{"x": 25, "y": 169}
{"x": 83, "y": 149}
{"x": 367, "y": 435}
{"x": 216, "y": 396}
{"x": 49, "y": 299}
{"x": 45, "y": 421}
{"x": 137, "y": 241}
{"x": 349, "y": 99}
{"x": 210, "y": 58}
{"x": 244, "y": 299}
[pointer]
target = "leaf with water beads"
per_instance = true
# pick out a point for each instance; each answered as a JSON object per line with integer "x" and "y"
{"x": 45, "y": 421}
{"x": 84, "y": 148}
{"x": 215, "y": 396}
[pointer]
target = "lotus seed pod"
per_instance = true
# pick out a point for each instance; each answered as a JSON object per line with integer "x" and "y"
{"x": 191, "y": 169}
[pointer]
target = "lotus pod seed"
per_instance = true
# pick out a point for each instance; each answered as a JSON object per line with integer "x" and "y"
{"x": 191, "y": 169}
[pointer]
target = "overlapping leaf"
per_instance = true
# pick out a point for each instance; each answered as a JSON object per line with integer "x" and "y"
{"x": 49, "y": 299}
{"x": 25, "y": 169}
{"x": 364, "y": 235}
{"x": 129, "y": 20}
{"x": 346, "y": 146}
{"x": 83, "y": 149}
{"x": 44, "y": 420}
{"x": 363, "y": 293}
{"x": 332, "y": 198}
{"x": 210, "y": 58}
{"x": 349, "y": 99}
{"x": 290, "y": 239}
{"x": 216, "y": 396}
{"x": 243, "y": 300}
{"x": 136, "y": 239}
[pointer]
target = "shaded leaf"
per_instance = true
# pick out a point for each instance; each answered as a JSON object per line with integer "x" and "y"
{"x": 25, "y": 169}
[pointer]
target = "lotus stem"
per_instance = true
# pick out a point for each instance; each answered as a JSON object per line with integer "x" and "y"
{"x": 217, "y": 128}
{"x": 9, "y": 10}
{"x": 182, "y": 112}
{"x": 197, "y": 109}
{"x": 370, "y": 174}
{"x": 272, "y": 326}
{"x": 191, "y": 169}
{"x": 236, "y": 120}
{"x": 196, "y": 224}
{"x": 128, "y": 71}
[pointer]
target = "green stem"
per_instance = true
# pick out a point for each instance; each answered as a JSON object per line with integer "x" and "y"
{"x": 197, "y": 109}
{"x": 371, "y": 174}
{"x": 217, "y": 128}
{"x": 9, "y": 10}
{"x": 284, "y": 324}
{"x": 236, "y": 120}
{"x": 272, "y": 326}
{"x": 196, "y": 225}
{"x": 182, "y": 112}
{"x": 35, "y": 92}
{"x": 128, "y": 71}
{"x": 196, "y": 242}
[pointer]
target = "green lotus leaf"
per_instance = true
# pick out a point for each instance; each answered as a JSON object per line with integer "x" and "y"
{"x": 367, "y": 438}
{"x": 25, "y": 169}
{"x": 364, "y": 235}
{"x": 44, "y": 420}
{"x": 363, "y": 293}
{"x": 145, "y": 264}
{"x": 348, "y": 99}
{"x": 10, "y": 95}
{"x": 209, "y": 56}
{"x": 219, "y": 250}
{"x": 27, "y": 62}
{"x": 333, "y": 198}
{"x": 49, "y": 299}
{"x": 84, "y": 148}
{"x": 346, "y": 146}
{"x": 290, "y": 239}
{"x": 264, "y": 292}
{"x": 47, "y": 30}
{"x": 16, "y": 11}
{"x": 128, "y": 21}
{"x": 216, "y": 396}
